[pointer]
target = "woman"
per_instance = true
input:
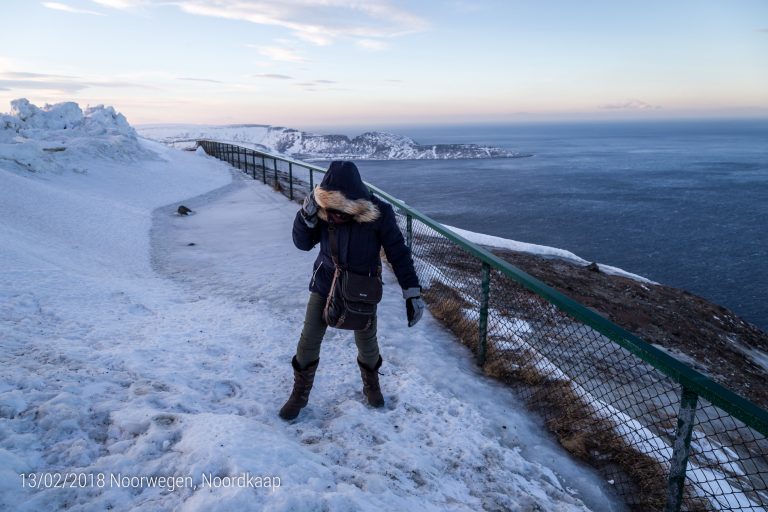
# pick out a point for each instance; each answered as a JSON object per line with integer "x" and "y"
{"x": 363, "y": 225}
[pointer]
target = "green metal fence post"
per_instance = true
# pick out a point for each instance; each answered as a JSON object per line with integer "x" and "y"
{"x": 274, "y": 162}
{"x": 290, "y": 180}
{"x": 484, "y": 295}
{"x": 263, "y": 169}
{"x": 409, "y": 230}
{"x": 681, "y": 449}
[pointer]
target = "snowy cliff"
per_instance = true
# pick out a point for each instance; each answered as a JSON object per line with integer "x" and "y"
{"x": 311, "y": 146}
{"x": 57, "y": 137}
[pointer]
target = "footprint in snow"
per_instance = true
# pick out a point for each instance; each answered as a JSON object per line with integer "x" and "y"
{"x": 226, "y": 389}
{"x": 140, "y": 310}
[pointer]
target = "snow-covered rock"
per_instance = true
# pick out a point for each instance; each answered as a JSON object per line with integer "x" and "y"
{"x": 56, "y": 137}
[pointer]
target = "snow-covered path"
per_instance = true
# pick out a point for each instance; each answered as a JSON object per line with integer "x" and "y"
{"x": 129, "y": 353}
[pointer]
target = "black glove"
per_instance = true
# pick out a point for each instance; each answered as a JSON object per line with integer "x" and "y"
{"x": 309, "y": 210}
{"x": 414, "y": 306}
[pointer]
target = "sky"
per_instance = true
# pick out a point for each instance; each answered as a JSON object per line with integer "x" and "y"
{"x": 306, "y": 63}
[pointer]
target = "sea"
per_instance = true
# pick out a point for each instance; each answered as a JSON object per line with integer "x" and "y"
{"x": 683, "y": 203}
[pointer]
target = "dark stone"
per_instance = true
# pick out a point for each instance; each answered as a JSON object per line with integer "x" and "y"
{"x": 183, "y": 210}
{"x": 593, "y": 267}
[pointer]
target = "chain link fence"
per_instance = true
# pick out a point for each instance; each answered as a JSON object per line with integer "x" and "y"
{"x": 664, "y": 436}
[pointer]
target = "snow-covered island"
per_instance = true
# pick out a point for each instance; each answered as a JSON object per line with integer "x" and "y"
{"x": 312, "y": 146}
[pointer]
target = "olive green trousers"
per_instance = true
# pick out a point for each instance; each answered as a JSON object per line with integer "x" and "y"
{"x": 314, "y": 329}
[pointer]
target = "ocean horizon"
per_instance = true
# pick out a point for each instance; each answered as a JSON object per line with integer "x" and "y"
{"x": 680, "y": 202}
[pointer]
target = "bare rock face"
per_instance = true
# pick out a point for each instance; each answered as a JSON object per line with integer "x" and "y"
{"x": 706, "y": 336}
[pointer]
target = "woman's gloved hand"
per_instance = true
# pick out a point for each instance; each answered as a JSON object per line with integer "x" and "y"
{"x": 309, "y": 210}
{"x": 414, "y": 306}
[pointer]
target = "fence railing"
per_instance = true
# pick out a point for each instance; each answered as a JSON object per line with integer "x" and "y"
{"x": 664, "y": 435}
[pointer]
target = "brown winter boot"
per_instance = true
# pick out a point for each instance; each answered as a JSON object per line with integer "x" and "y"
{"x": 371, "y": 388}
{"x": 302, "y": 385}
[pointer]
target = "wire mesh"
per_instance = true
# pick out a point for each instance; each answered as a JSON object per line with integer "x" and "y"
{"x": 604, "y": 404}
{"x": 729, "y": 462}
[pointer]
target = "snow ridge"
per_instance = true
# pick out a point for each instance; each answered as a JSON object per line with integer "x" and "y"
{"x": 58, "y": 137}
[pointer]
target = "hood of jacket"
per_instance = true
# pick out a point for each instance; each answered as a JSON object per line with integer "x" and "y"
{"x": 342, "y": 189}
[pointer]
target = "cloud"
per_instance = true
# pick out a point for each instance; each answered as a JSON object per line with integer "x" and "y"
{"x": 630, "y": 104}
{"x": 762, "y": 30}
{"x": 121, "y": 4}
{"x": 56, "y": 6}
{"x": 281, "y": 54}
{"x": 27, "y": 74}
{"x": 273, "y": 75}
{"x": 24, "y": 80}
{"x": 320, "y": 22}
{"x": 67, "y": 87}
{"x": 201, "y": 80}
{"x": 318, "y": 85}
{"x": 313, "y": 83}
{"x": 373, "y": 45}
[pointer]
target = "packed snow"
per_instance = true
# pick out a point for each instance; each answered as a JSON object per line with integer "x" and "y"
{"x": 145, "y": 354}
{"x": 312, "y": 146}
{"x": 541, "y": 250}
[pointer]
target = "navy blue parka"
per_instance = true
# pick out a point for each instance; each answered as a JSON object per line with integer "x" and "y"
{"x": 373, "y": 226}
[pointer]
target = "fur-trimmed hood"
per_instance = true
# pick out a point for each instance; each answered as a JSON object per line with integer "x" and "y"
{"x": 342, "y": 189}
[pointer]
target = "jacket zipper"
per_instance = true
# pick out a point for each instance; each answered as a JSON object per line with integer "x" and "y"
{"x": 314, "y": 274}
